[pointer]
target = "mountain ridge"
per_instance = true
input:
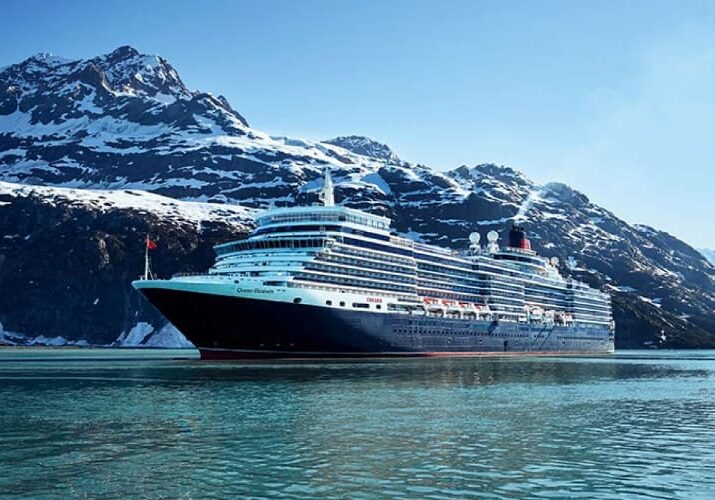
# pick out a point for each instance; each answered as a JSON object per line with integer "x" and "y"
{"x": 93, "y": 124}
{"x": 366, "y": 146}
{"x": 709, "y": 254}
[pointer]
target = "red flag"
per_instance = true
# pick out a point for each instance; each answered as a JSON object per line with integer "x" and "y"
{"x": 150, "y": 244}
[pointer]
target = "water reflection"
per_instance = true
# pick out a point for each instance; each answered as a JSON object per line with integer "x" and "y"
{"x": 635, "y": 424}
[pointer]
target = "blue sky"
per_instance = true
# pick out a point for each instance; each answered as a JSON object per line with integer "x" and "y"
{"x": 616, "y": 99}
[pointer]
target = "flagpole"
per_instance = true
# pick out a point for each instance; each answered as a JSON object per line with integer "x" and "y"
{"x": 146, "y": 258}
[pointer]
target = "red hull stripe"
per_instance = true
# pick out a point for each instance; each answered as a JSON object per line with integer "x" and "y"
{"x": 221, "y": 354}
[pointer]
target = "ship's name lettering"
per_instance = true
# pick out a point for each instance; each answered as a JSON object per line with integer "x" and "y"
{"x": 375, "y": 300}
{"x": 253, "y": 290}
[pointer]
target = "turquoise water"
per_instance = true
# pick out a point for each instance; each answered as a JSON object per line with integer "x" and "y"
{"x": 139, "y": 423}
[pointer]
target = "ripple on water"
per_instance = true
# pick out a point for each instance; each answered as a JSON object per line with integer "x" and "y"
{"x": 637, "y": 424}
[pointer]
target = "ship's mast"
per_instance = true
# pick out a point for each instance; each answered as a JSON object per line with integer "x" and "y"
{"x": 328, "y": 195}
{"x": 146, "y": 258}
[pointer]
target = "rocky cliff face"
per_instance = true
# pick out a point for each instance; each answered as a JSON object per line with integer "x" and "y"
{"x": 68, "y": 257}
{"x": 126, "y": 121}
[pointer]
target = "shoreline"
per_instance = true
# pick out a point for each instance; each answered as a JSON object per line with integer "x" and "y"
{"x": 81, "y": 347}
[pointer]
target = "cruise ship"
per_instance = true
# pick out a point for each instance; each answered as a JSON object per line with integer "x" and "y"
{"x": 331, "y": 281}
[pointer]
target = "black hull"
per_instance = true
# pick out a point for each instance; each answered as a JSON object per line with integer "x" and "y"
{"x": 223, "y": 327}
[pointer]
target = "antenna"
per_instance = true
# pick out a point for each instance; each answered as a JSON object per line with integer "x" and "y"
{"x": 492, "y": 237}
{"x": 474, "y": 242}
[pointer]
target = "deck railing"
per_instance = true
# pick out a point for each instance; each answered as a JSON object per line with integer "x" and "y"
{"x": 187, "y": 274}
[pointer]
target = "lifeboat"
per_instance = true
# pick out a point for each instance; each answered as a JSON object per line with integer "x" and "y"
{"x": 433, "y": 307}
{"x": 452, "y": 307}
{"x": 484, "y": 312}
{"x": 536, "y": 314}
{"x": 418, "y": 310}
{"x": 470, "y": 313}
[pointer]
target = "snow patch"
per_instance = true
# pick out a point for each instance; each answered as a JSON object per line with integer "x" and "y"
{"x": 135, "y": 336}
{"x": 18, "y": 339}
{"x": 104, "y": 200}
{"x": 653, "y": 302}
{"x": 10, "y": 338}
{"x": 376, "y": 180}
{"x": 51, "y": 341}
{"x": 414, "y": 236}
{"x": 168, "y": 337}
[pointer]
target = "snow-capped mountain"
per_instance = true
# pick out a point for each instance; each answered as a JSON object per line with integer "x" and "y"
{"x": 709, "y": 254}
{"x": 126, "y": 121}
{"x": 365, "y": 146}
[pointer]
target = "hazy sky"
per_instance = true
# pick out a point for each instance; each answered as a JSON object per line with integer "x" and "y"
{"x": 616, "y": 99}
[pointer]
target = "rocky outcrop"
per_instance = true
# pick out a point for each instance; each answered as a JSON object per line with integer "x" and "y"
{"x": 126, "y": 121}
{"x": 68, "y": 257}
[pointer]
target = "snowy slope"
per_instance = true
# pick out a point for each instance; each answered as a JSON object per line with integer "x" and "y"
{"x": 134, "y": 200}
{"x": 143, "y": 334}
{"x": 365, "y": 146}
{"x": 68, "y": 256}
{"x": 126, "y": 122}
{"x": 709, "y": 254}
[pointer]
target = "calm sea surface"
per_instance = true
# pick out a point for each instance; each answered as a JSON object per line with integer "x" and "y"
{"x": 118, "y": 423}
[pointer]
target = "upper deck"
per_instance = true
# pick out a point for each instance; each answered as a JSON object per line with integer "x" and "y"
{"x": 319, "y": 230}
{"x": 322, "y": 214}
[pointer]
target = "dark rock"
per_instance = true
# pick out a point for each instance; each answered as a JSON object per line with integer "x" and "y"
{"x": 126, "y": 120}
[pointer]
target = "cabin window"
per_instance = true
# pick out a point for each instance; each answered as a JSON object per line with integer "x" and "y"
{"x": 361, "y": 305}
{"x": 342, "y": 304}
{"x": 329, "y": 302}
{"x": 297, "y": 300}
{"x": 378, "y": 306}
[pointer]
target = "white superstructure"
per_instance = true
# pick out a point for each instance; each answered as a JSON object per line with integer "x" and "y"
{"x": 337, "y": 257}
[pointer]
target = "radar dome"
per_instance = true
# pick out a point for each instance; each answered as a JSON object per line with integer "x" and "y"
{"x": 492, "y": 236}
{"x": 474, "y": 238}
